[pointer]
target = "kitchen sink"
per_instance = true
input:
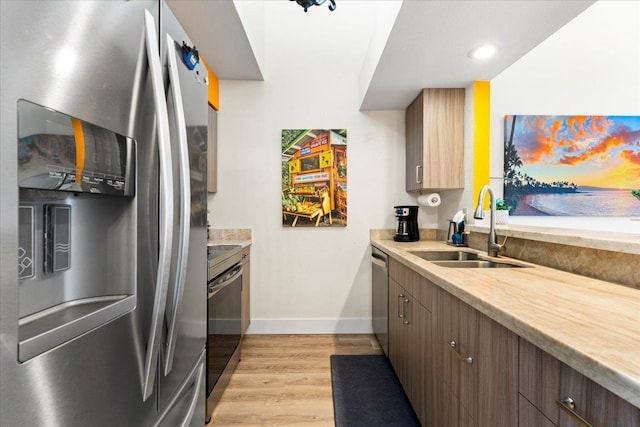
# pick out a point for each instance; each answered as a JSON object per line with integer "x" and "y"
{"x": 445, "y": 256}
{"x": 477, "y": 264}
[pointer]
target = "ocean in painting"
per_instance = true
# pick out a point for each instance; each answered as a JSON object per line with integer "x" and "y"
{"x": 591, "y": 202}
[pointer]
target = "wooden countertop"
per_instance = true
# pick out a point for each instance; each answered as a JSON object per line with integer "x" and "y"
{"x": 589, "y": 324}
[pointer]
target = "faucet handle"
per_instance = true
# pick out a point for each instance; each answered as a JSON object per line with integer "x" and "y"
{"x": 502, "y": 247}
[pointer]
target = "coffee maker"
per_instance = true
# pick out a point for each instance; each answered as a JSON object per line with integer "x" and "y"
{"x": 407, "y": 230}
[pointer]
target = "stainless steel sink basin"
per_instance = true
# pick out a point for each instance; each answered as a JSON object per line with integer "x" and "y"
{"x": 445, "y": 256}
{"x": 477, "y": 264}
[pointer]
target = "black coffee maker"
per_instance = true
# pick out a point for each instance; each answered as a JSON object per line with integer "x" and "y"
{"x": 407, "y": 230}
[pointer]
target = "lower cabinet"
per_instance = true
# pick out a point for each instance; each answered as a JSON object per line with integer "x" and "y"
{"x": 459, "y": 368}
{"x": 410, "y": 349}
{"x": 475, "y": 367}
{"x": 565, "y": 397}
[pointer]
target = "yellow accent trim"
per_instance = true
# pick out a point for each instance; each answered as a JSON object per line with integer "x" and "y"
{"x": 481, "y": 135}
{"x": 78, "y": 133}
{"x": 214, "y": 87}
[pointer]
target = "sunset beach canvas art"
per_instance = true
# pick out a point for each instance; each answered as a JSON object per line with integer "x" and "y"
{"x": 572, "y": 165}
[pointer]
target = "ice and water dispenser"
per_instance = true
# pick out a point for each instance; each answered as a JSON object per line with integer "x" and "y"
{"x": 77, "y": 227}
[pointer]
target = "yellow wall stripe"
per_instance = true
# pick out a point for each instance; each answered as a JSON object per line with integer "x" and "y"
{"x": 481, "y": 136}
{"x": 78, "y": 133}
{"x": 214, "y": 87}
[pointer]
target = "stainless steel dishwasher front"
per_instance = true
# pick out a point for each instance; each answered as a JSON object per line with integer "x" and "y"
{"x": 380, "y": 297}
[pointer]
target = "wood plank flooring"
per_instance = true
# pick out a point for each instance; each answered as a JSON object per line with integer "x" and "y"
{"x": 285, "y": 380}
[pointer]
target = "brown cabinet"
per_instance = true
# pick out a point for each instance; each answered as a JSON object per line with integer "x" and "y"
{"x": 245, "y": 313}
{"x": 475, "y": 367}
{"x": 434, "y": 140}
{"x": 410, "y": 348}
{"x": 545, "y": 383}
{"x": 460, "y": 368}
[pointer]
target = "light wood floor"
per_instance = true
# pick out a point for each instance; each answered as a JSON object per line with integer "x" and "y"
{"x": 286, "y": 380}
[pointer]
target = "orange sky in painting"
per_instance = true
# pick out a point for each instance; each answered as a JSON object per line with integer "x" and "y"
{"x": 599, "y": 148}
{"x": 598, "y": 151}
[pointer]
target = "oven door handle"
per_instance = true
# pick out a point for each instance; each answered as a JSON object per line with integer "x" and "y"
{"x": 212, "y": 290}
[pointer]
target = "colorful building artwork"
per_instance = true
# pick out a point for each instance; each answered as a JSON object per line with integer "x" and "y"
{"x": 572, "y": 165}
{"x": 314, "y": 177}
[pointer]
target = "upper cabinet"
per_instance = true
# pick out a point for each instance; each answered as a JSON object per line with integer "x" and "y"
{"x": 434, "y": 135}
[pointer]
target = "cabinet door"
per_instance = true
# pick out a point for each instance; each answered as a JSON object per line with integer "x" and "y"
{"x": 397, "y": 335}
{"x": 539, "y": 381}
{"x": 420, "y": 360}
{"x": 496, "y": 363}
{"x": 594, "y": 403}
{"x": 455, "y": 388}
{"x": 476, "y": 367}
{"x": 414, "y": 145}
{"x": 443, "y": 141}
{"x": 434, "y": 125}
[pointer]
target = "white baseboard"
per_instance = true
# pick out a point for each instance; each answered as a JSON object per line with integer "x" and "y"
{"x": 311, "y": 326}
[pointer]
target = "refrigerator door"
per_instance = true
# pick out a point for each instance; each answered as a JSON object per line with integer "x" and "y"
{"x": 87, "y": 60}
{"x": 185, "y": 319}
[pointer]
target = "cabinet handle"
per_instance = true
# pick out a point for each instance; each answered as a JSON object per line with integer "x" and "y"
{"x": 418, "y": 174}
{"x": 400, "y": 312}
{"x": 569, "y": 406}
{"x": 468, "y": 360}
{"x": 404, "y": 304}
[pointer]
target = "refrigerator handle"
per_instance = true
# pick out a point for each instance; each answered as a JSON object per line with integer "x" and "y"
{"x": 185, "y": 204}
{"x": 165, "y": 232}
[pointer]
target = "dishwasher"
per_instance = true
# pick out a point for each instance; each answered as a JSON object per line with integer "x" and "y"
{"x": 380, "y": 297}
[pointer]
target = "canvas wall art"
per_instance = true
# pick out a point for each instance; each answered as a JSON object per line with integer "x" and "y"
{"x": 314, "y": 177}
{"x": 572, "y": 165}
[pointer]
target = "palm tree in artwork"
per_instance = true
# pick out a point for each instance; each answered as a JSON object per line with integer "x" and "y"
{"x": 511, "y": 158}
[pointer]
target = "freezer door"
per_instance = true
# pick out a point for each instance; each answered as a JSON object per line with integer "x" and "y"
{"x": 87, "y": 60}
{"x": 187, "y": 407}
{"x": 185, "y": 320}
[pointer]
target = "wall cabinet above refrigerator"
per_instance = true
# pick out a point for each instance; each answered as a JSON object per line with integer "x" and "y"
{"x": 434, "y": 140}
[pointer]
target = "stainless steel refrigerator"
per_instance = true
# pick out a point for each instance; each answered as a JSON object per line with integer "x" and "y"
{"x": 103, "y": 216}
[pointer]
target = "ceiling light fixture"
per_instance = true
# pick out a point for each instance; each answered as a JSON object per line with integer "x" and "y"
{"x": 308, "y": 3}
{"x": 483, "y": 52}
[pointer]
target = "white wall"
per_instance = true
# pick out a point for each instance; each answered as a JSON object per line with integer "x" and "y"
{"x": 590, "y": 66}
{"x": 304, "y": 279}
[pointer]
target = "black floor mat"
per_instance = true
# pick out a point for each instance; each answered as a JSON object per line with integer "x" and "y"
{"x": 367, "y": 393}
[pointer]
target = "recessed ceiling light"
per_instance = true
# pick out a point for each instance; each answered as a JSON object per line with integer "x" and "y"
{"x": 483, "y": 52}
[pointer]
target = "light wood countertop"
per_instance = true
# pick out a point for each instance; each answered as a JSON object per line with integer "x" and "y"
{"x": 589, "y": 324}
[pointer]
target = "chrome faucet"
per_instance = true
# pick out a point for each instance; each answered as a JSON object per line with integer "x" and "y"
{"x": 493, "y": 248}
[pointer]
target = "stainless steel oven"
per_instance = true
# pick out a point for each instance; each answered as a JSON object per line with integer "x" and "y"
{"x": 224, "y": 330}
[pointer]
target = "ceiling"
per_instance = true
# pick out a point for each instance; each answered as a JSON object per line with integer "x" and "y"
{"x": 427, "y": 46}
{"x": 217, "y": 31}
